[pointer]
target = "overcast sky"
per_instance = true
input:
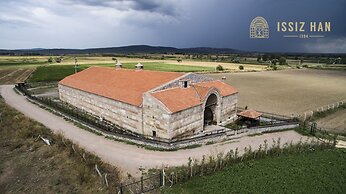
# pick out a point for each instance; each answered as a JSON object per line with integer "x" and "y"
{"x": 177, "y": 23}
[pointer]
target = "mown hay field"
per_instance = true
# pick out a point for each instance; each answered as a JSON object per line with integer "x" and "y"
{"x": 35, "y": 61}
{"x": 288, "y": 91}
{"x": 12, "y": 75}
{"x": 335, "y": 122}
{"x": 58, "y": 72}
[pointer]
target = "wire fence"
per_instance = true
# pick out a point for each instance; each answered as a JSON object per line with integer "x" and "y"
{"x": 145, "y": 184}
{"x": 109, "y": 129}
{"x": 309, "y": 115}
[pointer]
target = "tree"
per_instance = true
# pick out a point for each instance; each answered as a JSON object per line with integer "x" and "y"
{"x": 259, "y": 58}
{"x": 58, "y": 59}
{"x": 282, "y": 61}
{"x": 179, "y": 60}
{"x": 265, "y": 57}
{"x": 50, "y": 60}
{"x": 241, "y": 67}
{"x": 274, "y": 61}
{"x": 301, "y": 61}
{"x": 219, "y": 68}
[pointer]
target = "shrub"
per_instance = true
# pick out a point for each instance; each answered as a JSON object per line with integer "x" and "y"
{"x": 219, "y": 68}
{"x": 241, "y": 67}
{"x": 282, "y": 61}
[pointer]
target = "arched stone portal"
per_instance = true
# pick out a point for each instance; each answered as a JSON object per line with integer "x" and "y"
{"x": 210, "y": 110}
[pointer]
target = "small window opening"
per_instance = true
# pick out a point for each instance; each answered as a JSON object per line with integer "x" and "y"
{"x": 154, "y": 133}
{"x": 185, "y": 84}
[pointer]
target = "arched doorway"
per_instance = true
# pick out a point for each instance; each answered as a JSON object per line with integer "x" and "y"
{"x": 209, "y": 110}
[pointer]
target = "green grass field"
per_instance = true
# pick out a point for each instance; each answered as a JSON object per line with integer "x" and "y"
{"x": 58, "y": 72}
{"x": 310, "y": 172}
{"x": 26, "y": 62}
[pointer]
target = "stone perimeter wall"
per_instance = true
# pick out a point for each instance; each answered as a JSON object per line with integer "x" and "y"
{"x": 124, "y": 115}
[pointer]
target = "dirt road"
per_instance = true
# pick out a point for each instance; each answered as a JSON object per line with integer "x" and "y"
{"x": 130, "y": 158}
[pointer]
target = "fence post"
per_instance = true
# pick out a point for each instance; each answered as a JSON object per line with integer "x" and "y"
{"x": 106, "y": 181}
{"x": 162, "y": 177}
{"x": 121, "y": 188}
{"x": 304, "y": 116}
{"x": 142, "y": 188}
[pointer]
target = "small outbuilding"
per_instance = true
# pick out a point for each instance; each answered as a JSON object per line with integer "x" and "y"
{"x": 249, "y": 117}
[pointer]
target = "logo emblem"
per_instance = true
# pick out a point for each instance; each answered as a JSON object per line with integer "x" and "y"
{"x": 259, "y": 28}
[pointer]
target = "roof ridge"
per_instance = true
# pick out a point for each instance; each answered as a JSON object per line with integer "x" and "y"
{"x": 167, "y": 83}
{"x": 197, "y": 93}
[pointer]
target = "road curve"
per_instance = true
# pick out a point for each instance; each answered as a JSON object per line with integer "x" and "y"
{"x": 130, "y": 158}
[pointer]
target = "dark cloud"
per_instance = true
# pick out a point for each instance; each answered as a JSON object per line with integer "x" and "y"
{"x": 178, "y": 23}
{"x": 163, "y": 7}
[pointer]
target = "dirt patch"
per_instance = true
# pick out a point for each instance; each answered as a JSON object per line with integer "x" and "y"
{"x": 288, "y": 91}
{"x": 11, "y": 76}
{"x": 335, "y": 122}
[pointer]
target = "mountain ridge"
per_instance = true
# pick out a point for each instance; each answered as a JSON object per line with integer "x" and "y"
{"x": 131, "y": 49}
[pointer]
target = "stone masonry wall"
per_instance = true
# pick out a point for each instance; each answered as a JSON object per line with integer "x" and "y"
{"x": 155, "y": 117}
{"x": 124, "y": 115}
{"x": 186, "y": 122}
{"x": 228, "y": 109}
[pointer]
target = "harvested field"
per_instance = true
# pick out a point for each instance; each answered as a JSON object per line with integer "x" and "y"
{"x": 335, "y": 122}
{"x": 11, "y": 76}
{"x": 288, "y": 91}
{"x": 105, "y": 60}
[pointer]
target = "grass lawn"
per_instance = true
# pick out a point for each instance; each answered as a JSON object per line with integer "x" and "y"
{"x": 52, "y": 73}
{"x": 156, "y": 66}
{"x": 311, "y": 172}
{"x": 58, "y": 72}
{"x": 28, "y": 165}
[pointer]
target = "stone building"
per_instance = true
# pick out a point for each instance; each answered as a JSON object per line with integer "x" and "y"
{"x": 168, "y": 105}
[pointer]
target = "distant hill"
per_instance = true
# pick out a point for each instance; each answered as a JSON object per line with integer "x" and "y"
{"x": 134, "y": 49}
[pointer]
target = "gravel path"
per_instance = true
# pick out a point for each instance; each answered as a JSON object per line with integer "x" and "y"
{"x": 130, "y": 158}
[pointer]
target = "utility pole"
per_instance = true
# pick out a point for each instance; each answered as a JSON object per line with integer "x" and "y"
{"x": 75, "y": 65}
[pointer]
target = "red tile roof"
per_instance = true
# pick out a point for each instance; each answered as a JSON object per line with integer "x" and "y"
{"x": 119, "y": 84}
{"x": 177, "y": 99}
{"x": 250, "y": 114}
{"x": 224, "y": 88}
